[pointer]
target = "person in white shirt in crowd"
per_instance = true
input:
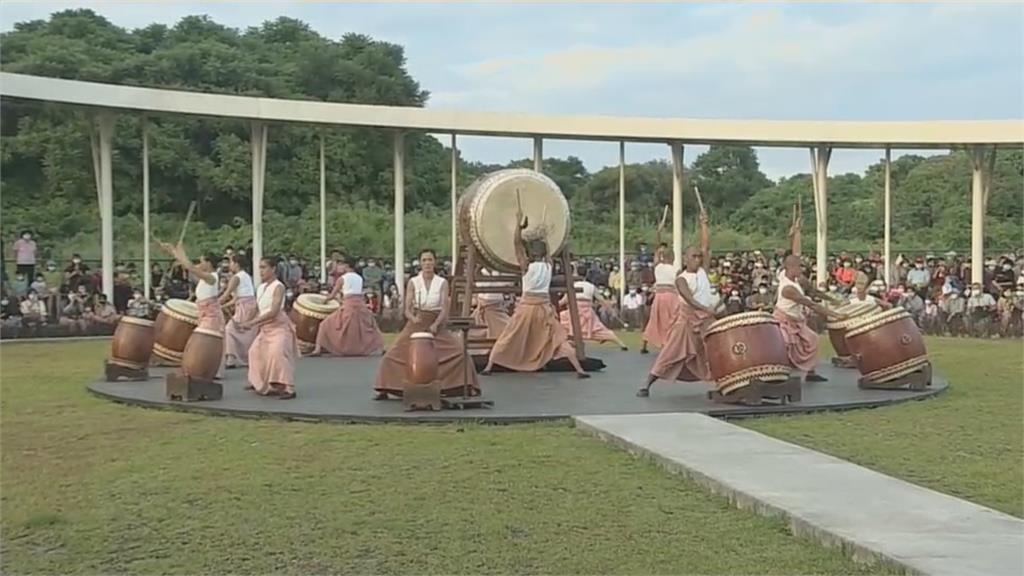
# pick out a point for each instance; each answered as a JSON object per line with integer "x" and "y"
{"x": 33, "y": 310}
{"x": 138, "y": 306}
{"x": 633, "y": 309}
{"x": 981, "y": 308}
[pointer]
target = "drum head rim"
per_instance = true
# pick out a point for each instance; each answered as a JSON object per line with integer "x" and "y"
{"x": 742, "y": 319}
{"x": 209, "y": 332}
{"x": 422, "y": 336}
{"x": 869, "y": 322}
{"x": 137, "y": 321}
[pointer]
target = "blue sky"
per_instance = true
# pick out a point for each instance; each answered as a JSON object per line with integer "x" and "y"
{"x": 917, "y": 61}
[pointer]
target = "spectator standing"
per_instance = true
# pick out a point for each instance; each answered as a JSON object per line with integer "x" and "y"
{"x": 25, "y": 254}
{"x": 76, "y": 273}
{"x": 633, "y": 309}
{"x": 920, "y": 277}
{"x": 615, "y": 281}
{"x": 373, "y": 276}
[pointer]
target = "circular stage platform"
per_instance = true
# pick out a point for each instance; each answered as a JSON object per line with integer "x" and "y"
{"x": 339, "y": 389}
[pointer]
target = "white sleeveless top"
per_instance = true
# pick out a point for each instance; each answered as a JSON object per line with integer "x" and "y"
{"x": 204, "y": 290}
{"x": 489, "y": 296}
{"x": 699, "y": 284}
{"x": 353, "y": 284}
{"x": 537, "y": 278}
{"x": 265, "y": 297}
{"x": 245, "y": 286}
{"x": 785, "y": 305}
{"x": 664, "y": 274}
{"x": 587, "y": 288}
{"x": 428, "y": 299}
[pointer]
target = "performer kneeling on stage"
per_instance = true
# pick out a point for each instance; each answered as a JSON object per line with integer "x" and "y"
{"x": 683, "y": 357}
{"x": 534, "y": 335}
{"x": 274, "y": 351}
{"x": 591, "y": 327}
{"x": 426, "y": 310}
{"x": 801, "y": 341}
{"x": 241, "y": 294}
{"x": 207, "y": 290}
{"x": 352, "y": 329}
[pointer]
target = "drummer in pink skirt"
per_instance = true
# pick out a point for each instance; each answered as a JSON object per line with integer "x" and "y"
{"x": 241, "y": 294}
{"x": 274, "y": 351}
{"x": 207, "y": 289}
{"x": 591, "y": 327}
{"x": 666, "y": 297}
{"x": 683, "y": 357}
{"x": 352, "y": 329}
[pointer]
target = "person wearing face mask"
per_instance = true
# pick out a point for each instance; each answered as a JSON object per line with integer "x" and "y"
{"x": 981, "y": 307}
{"x": 920, "y": 276}
{"x": 760, "y": 274}
{"x": 25, "y": 254}
{"x": 1003, "y": 279}
{"x": 760, "y": 301}
{"x": 845, "y": 276}
{"x": 39, "y": 285}
{"x": 952, "y": 311}
{"x": 1005, "y": 308}
{"x": 33, "y": 311}
{"x": 138, "y": 306}
{"x": 76, "y": 273}
{"x": 19, "y": 286}
{"x": 633, "y": 309}
{"x": 734, "y": 304}
{"x": 715, "y": 302}
{"x": 930, "y": 320}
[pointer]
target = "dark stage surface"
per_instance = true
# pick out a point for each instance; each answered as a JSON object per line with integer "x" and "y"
{"x": 340, "y": 389}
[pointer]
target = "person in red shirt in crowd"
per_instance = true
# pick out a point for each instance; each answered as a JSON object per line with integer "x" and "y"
{"x": 845, "y": 275}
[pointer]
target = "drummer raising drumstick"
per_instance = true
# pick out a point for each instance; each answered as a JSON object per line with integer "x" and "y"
{"x": 801, "y": 341}
{"x": 666, "y": 298}
{"x": 207, "y": 290}
{"x": 534, "y": 336}
{"x": 683, "y": 356}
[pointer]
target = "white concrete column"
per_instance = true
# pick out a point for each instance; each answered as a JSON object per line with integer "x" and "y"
{"x": 147, "y": 277}
{"x": 622, "y": 222}
{"x": 677, "y": 202}
{"x": 258, "y": 146}
{"x": 399, "y": 145}
{"x": 977, "y": 214}
{"x": 454, "y": 202}
{"x": 538, "y": 154}
{"x": 323, "y": 214}
{"x": 105, "y": 126}
{"x": 820, "y": 157}
{"x": 888, "y": 216}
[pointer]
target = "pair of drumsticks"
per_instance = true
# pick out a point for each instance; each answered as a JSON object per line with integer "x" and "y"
{"x": 519, "y": 207}
{"x": 700, "y": 203}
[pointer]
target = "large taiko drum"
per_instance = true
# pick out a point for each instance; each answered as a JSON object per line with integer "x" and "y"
{"x": 308, "y": 311}
{"x": 133, "y": 343}
{"x": 174, "y": 325}
{"x": 421, "y": 367}
{"x": 203, "y": 353}
{"x": 837, "y": 329}
{"x": 743, "y": 347}
{"x": 487, "y": 214}
{"x": 887, "y": 345}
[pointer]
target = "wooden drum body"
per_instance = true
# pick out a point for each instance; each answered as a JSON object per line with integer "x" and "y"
{"x": 744, "y": 347}
{"x": 487, "y": 212}
{"x": 887, "y": 345}
{"x": 173, "y": 326}
{"x": 202, "y": 356}
{"x": 837, "y": 330}
{"x": 421, "y": 367}
{"x": 308, "y": 311}
{"x": 133, "y": 343}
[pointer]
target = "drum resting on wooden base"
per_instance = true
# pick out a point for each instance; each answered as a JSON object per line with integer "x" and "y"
{"x": 745, "y": 347}
{"x": 487, "y": 214}
{"x": 133, "y": 343}
{"x": 837, "y": 329}
{"x": 308, "y": 311}
{"x": 887, "y": 345}
{"x": 203, "y": 353}
{"x": 174, "y": 325}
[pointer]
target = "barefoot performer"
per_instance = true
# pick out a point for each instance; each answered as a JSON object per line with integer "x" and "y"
{"x": 801, "y": 341}
{"x": 683, "y": 357}
{"x": 666, "y": 296}
{"x": 241, "y": 294}
{"x": 591, "y": 327}
{"x": 534, "y": 335}
{"x": 274, "y": 351}
{"x": 426, "y": 310}
{"x": 490, "y": 311}
{"x": 352, "y": 329}
{"x": 207, "y": 288}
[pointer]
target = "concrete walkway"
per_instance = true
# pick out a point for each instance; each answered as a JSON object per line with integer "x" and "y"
{"x": 874, "y": 517}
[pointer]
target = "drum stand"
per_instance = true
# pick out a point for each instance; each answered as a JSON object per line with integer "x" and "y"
{"x": 917, "y": 380}
{"x": 759, "y": 392}
{"x": 464, "y": 325}
{"x": 115, "y": 372}
{"x": 190, "y": 389}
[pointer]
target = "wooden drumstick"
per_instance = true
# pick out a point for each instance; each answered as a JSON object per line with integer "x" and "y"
{"x": 664, "y": 215}
{"x": 700, "y": 202}
{"x": 184, "y": 225}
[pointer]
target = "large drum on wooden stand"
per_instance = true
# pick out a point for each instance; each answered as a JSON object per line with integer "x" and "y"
{"x": 487, "y": 215}
{"x": 837, "y": 329}
{"x": 308, "y": 311}
{"x": 743, "y": 347}
{"x": 133, "y": 343}
{"x": 174, "y": 325}
{"x": 202, "y": 356}
{"x": 887, "y": 345}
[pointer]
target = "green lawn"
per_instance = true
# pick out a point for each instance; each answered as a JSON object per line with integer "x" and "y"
{"x": 90, "y": 486}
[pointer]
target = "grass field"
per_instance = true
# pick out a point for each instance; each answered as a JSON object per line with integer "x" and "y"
{"x": 94, "y": 487}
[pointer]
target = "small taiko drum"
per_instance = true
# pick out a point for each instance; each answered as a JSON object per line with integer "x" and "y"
{"x": 174, "y": 325}
{"x": 133, "y": 343}
{"x": 308, "y": 311}
{"x": 887, "y": 345}
{"x": 421, "y": 367}
{"x": 202, "y": 356}
{"x": 837, "y": 329}
{"x": 744, "y": 347}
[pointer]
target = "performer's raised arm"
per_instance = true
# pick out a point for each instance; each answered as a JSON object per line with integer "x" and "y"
{"x": 519, "y": 245}
{"x": 794, "y": 230}
{"x": 178, "y": 252}
{"x": 660, "y": 247}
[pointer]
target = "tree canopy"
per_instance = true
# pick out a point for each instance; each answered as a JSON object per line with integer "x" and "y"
{"x": 48, "y": 181}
